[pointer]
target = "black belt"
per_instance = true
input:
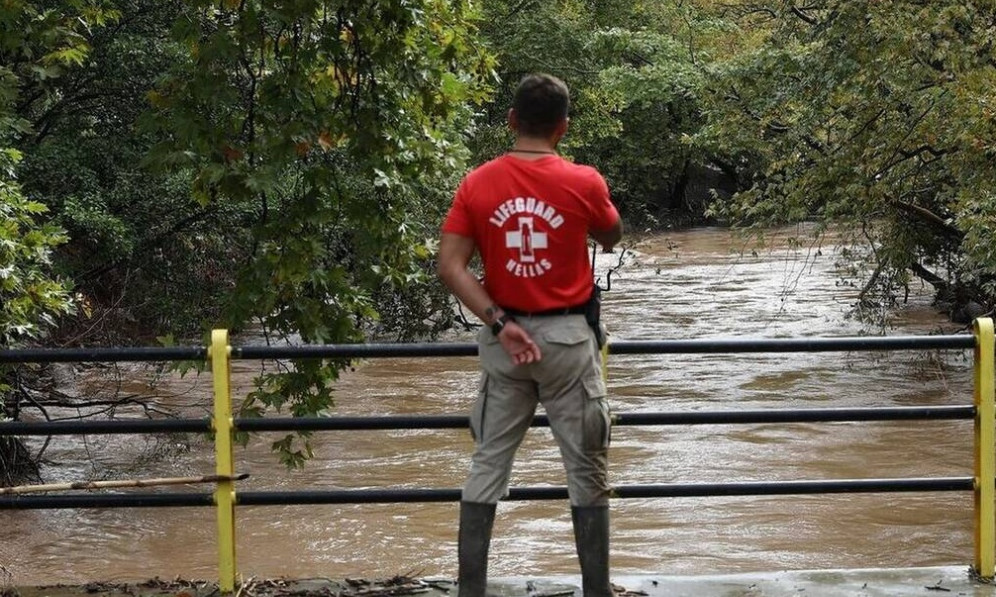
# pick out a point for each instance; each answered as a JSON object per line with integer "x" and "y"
{"x": 578, "y": 310}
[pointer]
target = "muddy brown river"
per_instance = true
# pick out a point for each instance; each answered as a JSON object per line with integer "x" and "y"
{"x": 690, "y": 284}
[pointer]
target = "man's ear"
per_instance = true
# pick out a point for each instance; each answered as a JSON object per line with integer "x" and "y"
{"x": 561, "y": 130}
{"x": 513, "y": 119}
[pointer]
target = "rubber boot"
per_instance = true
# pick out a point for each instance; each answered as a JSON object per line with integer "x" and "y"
{"x": 476, "y": 522}
{"x": 591, "y": 536}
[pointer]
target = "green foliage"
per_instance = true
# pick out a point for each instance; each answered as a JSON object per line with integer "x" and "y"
{"x": 878, "y": 115}
{"x": 337, "y": 128}
{"x": 320, "y": 142}
{"x": 137, "y": 247}
{"x": 30, "y": 297}
{"x": 636, "y": 71}
{"x": 35, "y": 46}
{"x": 655, "y": 87}
{"x": 39, "y": 43}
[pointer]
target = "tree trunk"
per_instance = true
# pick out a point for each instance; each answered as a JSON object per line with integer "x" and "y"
{"x": 16, "y": 464}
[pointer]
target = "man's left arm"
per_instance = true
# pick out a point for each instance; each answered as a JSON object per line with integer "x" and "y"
{"x": 608, "y": 237}
{"x": 605, "y": 226}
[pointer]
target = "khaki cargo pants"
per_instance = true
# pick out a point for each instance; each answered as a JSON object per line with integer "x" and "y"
{"x": 567, "y": 381}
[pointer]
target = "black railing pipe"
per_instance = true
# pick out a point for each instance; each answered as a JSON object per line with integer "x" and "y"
{"x": 797, "y": 487}
{"x": 119, "y": 500}
{"x": 793, "y": 345}
{"x": 391, "y": 496}
{"x": 671, "y": 490}
{"x": 453, "y": 349}
{"x": 356, "y": 351}
{"x": 814, "y": 415}
{"x": 808, "y": 415}
{"x": 101, "y": 355}
{"x": 105, "y": 427}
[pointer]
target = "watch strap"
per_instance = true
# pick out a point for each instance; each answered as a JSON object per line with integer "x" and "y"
{"x": 499, "y": 323}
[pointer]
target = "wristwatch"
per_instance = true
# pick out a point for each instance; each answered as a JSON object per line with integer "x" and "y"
{"x": 499, "y": 323}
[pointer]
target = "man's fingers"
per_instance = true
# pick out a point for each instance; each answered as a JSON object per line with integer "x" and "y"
{"x": 526, "y": 356}
{"x": 531, "y": 354}
{"x": 522, "y": 350}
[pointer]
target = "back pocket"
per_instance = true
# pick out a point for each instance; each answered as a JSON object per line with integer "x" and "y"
{"x": 574, "y": 333}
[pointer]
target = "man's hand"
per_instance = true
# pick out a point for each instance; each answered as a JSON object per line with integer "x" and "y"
{"x": 519, "y": 344}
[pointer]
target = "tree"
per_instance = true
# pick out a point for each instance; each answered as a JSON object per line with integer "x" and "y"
{"x": 337, "y": 129}
{"x": 242, "y": 164}
{"x": 31, "y": 299}
{"x": 138, "y": 246}
{"x": 875, "y": 115}
{"x": 36, "y": 45}
{"x": 636, "y": 72}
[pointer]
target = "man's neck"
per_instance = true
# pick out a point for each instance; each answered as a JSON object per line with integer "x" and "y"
{"x": 533, "y": 151}
{"x": 533, "y": 146}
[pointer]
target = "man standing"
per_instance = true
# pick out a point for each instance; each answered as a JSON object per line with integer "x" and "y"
{"x": 529, "y": 214}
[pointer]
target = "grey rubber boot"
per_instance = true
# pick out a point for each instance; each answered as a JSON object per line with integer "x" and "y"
{"x": 591, "y": 536}
{"x": 476, "y": 522}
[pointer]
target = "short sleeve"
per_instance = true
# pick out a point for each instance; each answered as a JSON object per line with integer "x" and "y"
{"x": 458, "y": 220}
{"x": 604, "y": 214}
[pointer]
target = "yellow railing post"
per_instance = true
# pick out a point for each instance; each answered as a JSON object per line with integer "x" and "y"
{"x": 985, "y": 450}
{"x": 604, "y": 353}
{"x": 224, "y": 494}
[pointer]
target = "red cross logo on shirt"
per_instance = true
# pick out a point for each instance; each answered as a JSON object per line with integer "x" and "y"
{"x": 526, "y": 240}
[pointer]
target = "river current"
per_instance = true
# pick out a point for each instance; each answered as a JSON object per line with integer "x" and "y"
{"x": 691, "y": 284}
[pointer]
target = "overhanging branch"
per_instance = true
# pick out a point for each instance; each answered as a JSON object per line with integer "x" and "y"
{"x": 930, "y": 218}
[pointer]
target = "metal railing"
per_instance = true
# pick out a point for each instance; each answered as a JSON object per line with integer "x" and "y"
{"x": 224, "y": 425}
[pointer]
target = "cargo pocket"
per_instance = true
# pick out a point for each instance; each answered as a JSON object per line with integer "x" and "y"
{"x": 568, "y": 335}
{"x": 597, "y": 422}
{"x": 480, "y": 407}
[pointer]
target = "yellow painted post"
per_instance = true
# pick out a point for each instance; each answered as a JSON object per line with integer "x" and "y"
{"x": 605, "y": 360}
{"x": 224, "y": 494}
{"x": 985, "y": 450}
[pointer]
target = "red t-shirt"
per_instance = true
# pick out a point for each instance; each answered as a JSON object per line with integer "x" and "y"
{"x": 530, "y": 221}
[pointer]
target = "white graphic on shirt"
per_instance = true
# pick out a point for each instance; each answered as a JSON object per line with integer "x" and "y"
{"x": 524, "y": 235}
{"x": 525, "y": 240}
{"x": 528, "y": 205}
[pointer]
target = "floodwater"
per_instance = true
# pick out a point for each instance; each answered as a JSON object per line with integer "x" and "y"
{"x": 689, "y": 284}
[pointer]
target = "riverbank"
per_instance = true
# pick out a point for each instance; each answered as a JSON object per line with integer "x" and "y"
{"x": 876, "y": 582}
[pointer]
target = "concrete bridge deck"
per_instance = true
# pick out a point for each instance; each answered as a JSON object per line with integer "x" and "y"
{"x": 927, "y": 582}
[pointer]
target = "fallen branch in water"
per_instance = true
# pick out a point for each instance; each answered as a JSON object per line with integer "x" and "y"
{"x": 118, "y": 484}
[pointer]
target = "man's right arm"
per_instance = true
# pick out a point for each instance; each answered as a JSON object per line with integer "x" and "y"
{"x": 455, "y": 252}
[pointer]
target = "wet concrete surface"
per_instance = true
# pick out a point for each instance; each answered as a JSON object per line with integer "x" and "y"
{"x": 933, "y": 581}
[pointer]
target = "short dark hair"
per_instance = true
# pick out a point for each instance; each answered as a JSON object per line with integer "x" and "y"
{"x": 541, "y": 101}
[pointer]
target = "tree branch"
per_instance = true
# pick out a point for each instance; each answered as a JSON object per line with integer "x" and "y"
{"x": 929, "y": 217}
{"x": 929, "y": 277}
{"x": 808, "y": 19}
{"x": 152, "y": 243}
